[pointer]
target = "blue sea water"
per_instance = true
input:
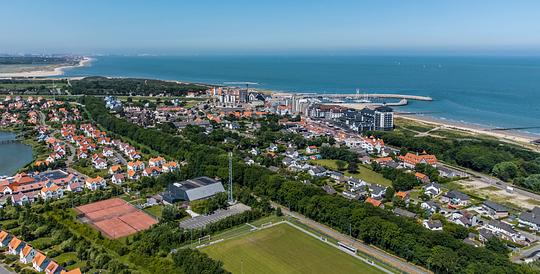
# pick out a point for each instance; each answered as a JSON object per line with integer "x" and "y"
{"x": 491, "y": 91}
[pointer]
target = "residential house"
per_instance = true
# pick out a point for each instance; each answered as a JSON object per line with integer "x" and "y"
{"x": 272, "y": 148}
{"x": 377, "y": 191}
{"x": 450, "y": 173}
{"x": 423, "y": 178}
{"x": 40, "y": 262}
{"x": 485, "y": 234}
{"x": 51, "y": 191}
{"x": 495, "y": 210}
{"x": 317, "y": 171}
{"x": 404, "y": 196}
{"x": 95, "y": 183}
{"x": 108, "y": 152}
{"x": 335, "y": 175}
{"x": 255, "y": 151}
{"x": 455, "y": 198}
{"x": 5, "y": 238}
{"x": 375, "y": 203}
{"x": 22, "y": 198}
{"x": 292, "y": 153}
{"x": 312, "y": 150}
{"x": 100, "y": 163}
{"x": 430, "y": 206}
{"x": 15, "y": 246}
{"x": 132, "y": 175}
{"x": 435, "y": 225}
{"x": 115, "y": 169}
{"x": 27, "y": 254}
{"x": 404, "y": 213}
{"x": 353, "y": 182}
{"x": 74, "y": 187}
{"x": 136, "y": 166}
{"x": 432, "y": 189}
{"x": 287, "y": 161}
{"x": 156, "y": 162}
{"x": 53, "y": 268}
{"x": 505, "y": 231}
{"x": 118, "y": 179}
{"x": 530, "y": 219}
{"x": 169, "y": 166}
{"x": 464, "y": 218}
{"x": 410, "y": 160}
{"x": 151, "y": 171}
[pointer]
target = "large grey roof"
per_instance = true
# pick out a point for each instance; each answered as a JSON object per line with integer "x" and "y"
{"x": 531, "y": 217}
{"x": 457, "y": 195}
{"x": 495, "y": 206}
{"x": 205, "y": 191}
{"x": 404, "y": 213}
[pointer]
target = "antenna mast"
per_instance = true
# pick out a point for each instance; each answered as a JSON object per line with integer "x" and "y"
{"x": 230, "y": 190}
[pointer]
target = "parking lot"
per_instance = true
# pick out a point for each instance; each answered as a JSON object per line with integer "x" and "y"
{"x": 203, "y": 220}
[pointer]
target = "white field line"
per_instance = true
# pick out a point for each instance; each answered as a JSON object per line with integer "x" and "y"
{"x": 252, "y": 226}
{"x": 370, "y": 262}
{"x": 319, "y": 237}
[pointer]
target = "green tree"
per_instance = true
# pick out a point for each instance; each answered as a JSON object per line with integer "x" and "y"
{"x": 506, "y": 170}
{"x": 341, "y": 165}
{"x": 497, "y": 245}
{"x": 443, "y": 260}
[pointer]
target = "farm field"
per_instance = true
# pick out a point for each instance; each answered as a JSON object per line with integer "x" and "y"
{"x": 283, "y": 249}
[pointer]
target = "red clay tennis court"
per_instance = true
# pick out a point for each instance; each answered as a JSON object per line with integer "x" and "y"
{"x": 115, "y": 218}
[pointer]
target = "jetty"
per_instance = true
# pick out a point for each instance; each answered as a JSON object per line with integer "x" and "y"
{"x": 378, "y": 95}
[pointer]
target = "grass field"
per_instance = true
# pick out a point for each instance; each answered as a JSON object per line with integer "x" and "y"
{"x": 284, "y": 249}
{"x": 364, "y": 173}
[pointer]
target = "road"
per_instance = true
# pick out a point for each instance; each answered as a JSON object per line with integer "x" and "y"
{"x": 501, "y": 184}
{"x": 380, "y": 255}
{"x": 3, "y": 270}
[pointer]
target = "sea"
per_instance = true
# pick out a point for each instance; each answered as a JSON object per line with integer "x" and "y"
{"x": 13, "y": 156}
{"x": 492, "y": 91}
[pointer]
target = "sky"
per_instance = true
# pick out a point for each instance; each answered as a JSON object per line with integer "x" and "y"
{"x": 276, "y": 26}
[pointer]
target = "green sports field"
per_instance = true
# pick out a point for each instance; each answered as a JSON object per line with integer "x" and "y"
{"x": 284, "y": 249}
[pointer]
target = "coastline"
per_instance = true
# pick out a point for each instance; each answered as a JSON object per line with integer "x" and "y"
{"x": 85, "y": 61}
{"x": 511, "y": 135}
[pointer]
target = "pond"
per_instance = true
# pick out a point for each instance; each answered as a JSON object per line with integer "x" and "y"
{"x": 13, "y": 156}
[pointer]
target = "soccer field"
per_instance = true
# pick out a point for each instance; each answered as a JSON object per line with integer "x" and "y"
{"x": 284, "y": 249}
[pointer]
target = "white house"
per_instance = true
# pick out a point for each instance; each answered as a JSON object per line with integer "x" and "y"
{"x": 27, "y": 254}
{"x": 95, "y": 183}
{"x": 435, "y": 225}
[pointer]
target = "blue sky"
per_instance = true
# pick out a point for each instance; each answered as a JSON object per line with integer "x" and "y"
{"x": 233, "y": 26}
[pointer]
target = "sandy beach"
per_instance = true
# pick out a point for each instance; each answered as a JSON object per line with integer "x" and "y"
{"x": 49, "y": 71}
{"x": 515, "y": 136}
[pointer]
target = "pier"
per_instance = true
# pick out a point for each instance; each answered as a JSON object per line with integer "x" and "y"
{"x": 378, "y": 95}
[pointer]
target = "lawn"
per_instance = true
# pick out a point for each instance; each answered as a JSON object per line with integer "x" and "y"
{"x": 284, "y": 249}
{"x": 66, "y": 257}
{"x": 154, "y": 210}
{"x": 364, "y": 172}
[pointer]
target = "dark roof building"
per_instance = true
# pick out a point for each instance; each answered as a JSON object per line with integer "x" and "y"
{"x": 191, "y": 190}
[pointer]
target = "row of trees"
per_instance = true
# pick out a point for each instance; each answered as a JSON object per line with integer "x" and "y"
{"x": 131, "y": 86}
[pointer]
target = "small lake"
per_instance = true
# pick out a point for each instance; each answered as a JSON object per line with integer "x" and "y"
{"x": 13, "y": 156}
